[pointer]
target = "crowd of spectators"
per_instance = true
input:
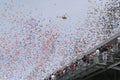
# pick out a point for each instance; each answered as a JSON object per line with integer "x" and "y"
{"x": 33, "y": 45}
{"x": 103, "y": 52}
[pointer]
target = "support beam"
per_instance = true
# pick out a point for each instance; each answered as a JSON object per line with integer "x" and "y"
{"x": 116, "y": 68}
{"x": 114, "y": 65}
{"x": 88, "y": 77}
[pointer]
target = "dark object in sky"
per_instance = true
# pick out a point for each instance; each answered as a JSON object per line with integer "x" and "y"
{"x": 64, "y": 17}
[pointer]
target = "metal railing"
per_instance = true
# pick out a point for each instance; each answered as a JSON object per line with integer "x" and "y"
{"x": 95, "y": 61}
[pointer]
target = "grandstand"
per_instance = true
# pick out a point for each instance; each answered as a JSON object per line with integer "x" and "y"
{"x": 58, "y": 39}
{"x": 78, "y": 69}
{"x": 94, "y": 68}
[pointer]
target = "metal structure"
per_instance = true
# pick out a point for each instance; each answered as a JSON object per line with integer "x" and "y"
{"x": 86, "y": 71}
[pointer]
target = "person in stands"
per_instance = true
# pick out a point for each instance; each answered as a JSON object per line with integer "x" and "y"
{"x": 96, "y": 57}
{"x": 73, "y": 66}
{"x": 88, "y": 59}
{"x": 105, "y": 54}
{"x": 105, "y": 48}
{"x": 97, "y": 52}
{"x": 91, "y": 56}
{"x": 53, "y": 77}
{"x": 84, "y": 58}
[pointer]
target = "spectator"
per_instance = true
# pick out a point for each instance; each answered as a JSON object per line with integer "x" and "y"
{"x": 104, "y": 49}
{"x": 64, "y": 70}
{"x": 73, "y": 66}
{"x": 97, "y": 52}
{"x": 88, "y": 58}
{"x": 91, "y": 57}
{"x": 53, "y": 77}
{"x": 96, "y": 57}
{"x": 105, "y": 56}
{"x": 84, "y": 58}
